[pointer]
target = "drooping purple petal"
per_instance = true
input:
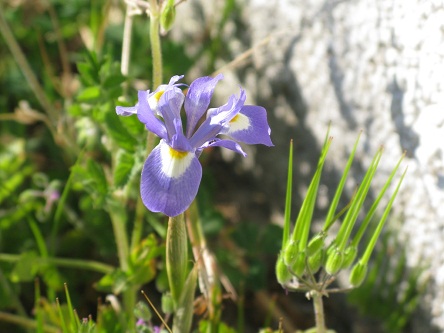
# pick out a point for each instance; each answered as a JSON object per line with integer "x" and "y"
{"x": 229, "y": 144}
{"x": 198, "y": 99}
{"x": 250, "y": 126}
{"x": 169, "y": 108}
{"x": 147, "y": 117}
{"x": 126, "y": 110}
{"x": 170, "y": 180}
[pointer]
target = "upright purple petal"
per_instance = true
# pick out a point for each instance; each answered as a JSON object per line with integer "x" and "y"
{"x": 169, "y": 108}
{"x": 198, "y": 99}
{"x": 250, "y": 126}
{"x": 216, "y": 120}
{"x": 147, "y": 117}
{"x": 170, "y": 180}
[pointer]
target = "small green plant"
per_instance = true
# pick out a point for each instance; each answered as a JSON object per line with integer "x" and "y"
{"x": 311, "y": 265}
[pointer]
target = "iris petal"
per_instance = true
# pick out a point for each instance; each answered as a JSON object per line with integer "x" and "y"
{"x": 147, "y": 117}
{"x": 170, "y": 180}
{"x": 250, "y": 126}
{"x": 229, "y": 144}
{"x": 126, "y": 110}
{"x": 198, "y": 99}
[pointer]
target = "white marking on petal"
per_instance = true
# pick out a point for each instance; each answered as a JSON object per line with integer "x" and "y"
{"x": 153, "y": 100}
{"x": 174, "y": 162}
{"x": 240, "y": 122}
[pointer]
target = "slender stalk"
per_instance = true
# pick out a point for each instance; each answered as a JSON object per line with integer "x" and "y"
{"x": 126, "y": 46}
{"x": 319, "y": 312}
{"x": 25, "y": 322}
{"x": 140, "y": 207}
{"x": 64, "y": 262}
{"x": 156, "y": 48}
{"x": 120, "y": 235}
{"x": 176, "y": 255}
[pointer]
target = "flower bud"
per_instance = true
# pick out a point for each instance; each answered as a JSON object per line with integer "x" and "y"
{"x": 283, "y": 275}
{"x": 290, "y": 252}
{"x": 315, "y": 244}
{"x": 168, "y": 16}
{"x": 349, "y": 256}
{"x": 358, "y": 274}
{"x": 334, "y": 262}
{"x": 315, "y": 261}
{"x": 298, "y": 267}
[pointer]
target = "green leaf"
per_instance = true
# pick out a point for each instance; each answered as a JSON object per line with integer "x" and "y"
{"x": 26, "y": 267}
{"x": 97, "y": 174}
{"x": 115, "y": 282}
{"x": 89, "y": 94}
{"x": 119, "y": 133}
{"x": 87, "y": 73}
{"x": 124, "y": 166}
{"x": 113, "y": 81}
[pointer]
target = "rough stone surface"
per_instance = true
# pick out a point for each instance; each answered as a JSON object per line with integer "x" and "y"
{"x": 365, "y": 64}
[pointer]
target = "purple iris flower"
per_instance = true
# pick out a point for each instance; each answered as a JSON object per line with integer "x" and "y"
{"x": 172, "y": 172}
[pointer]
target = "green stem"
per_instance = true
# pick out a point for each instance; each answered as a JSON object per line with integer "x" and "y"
{"x": 319, "y": 312}
{"x": 25, "y": 322}
{"x": 156, "y": 48}
{"x": 64, "y": 262}
{"x": 118, "y": 218}
{"x": 176, "y": 255}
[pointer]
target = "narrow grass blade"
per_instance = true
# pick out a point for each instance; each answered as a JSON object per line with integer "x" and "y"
{"x": 37, "y": 307}
{"x": 61, "y": 317}
{"x": 74, "y": 324}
